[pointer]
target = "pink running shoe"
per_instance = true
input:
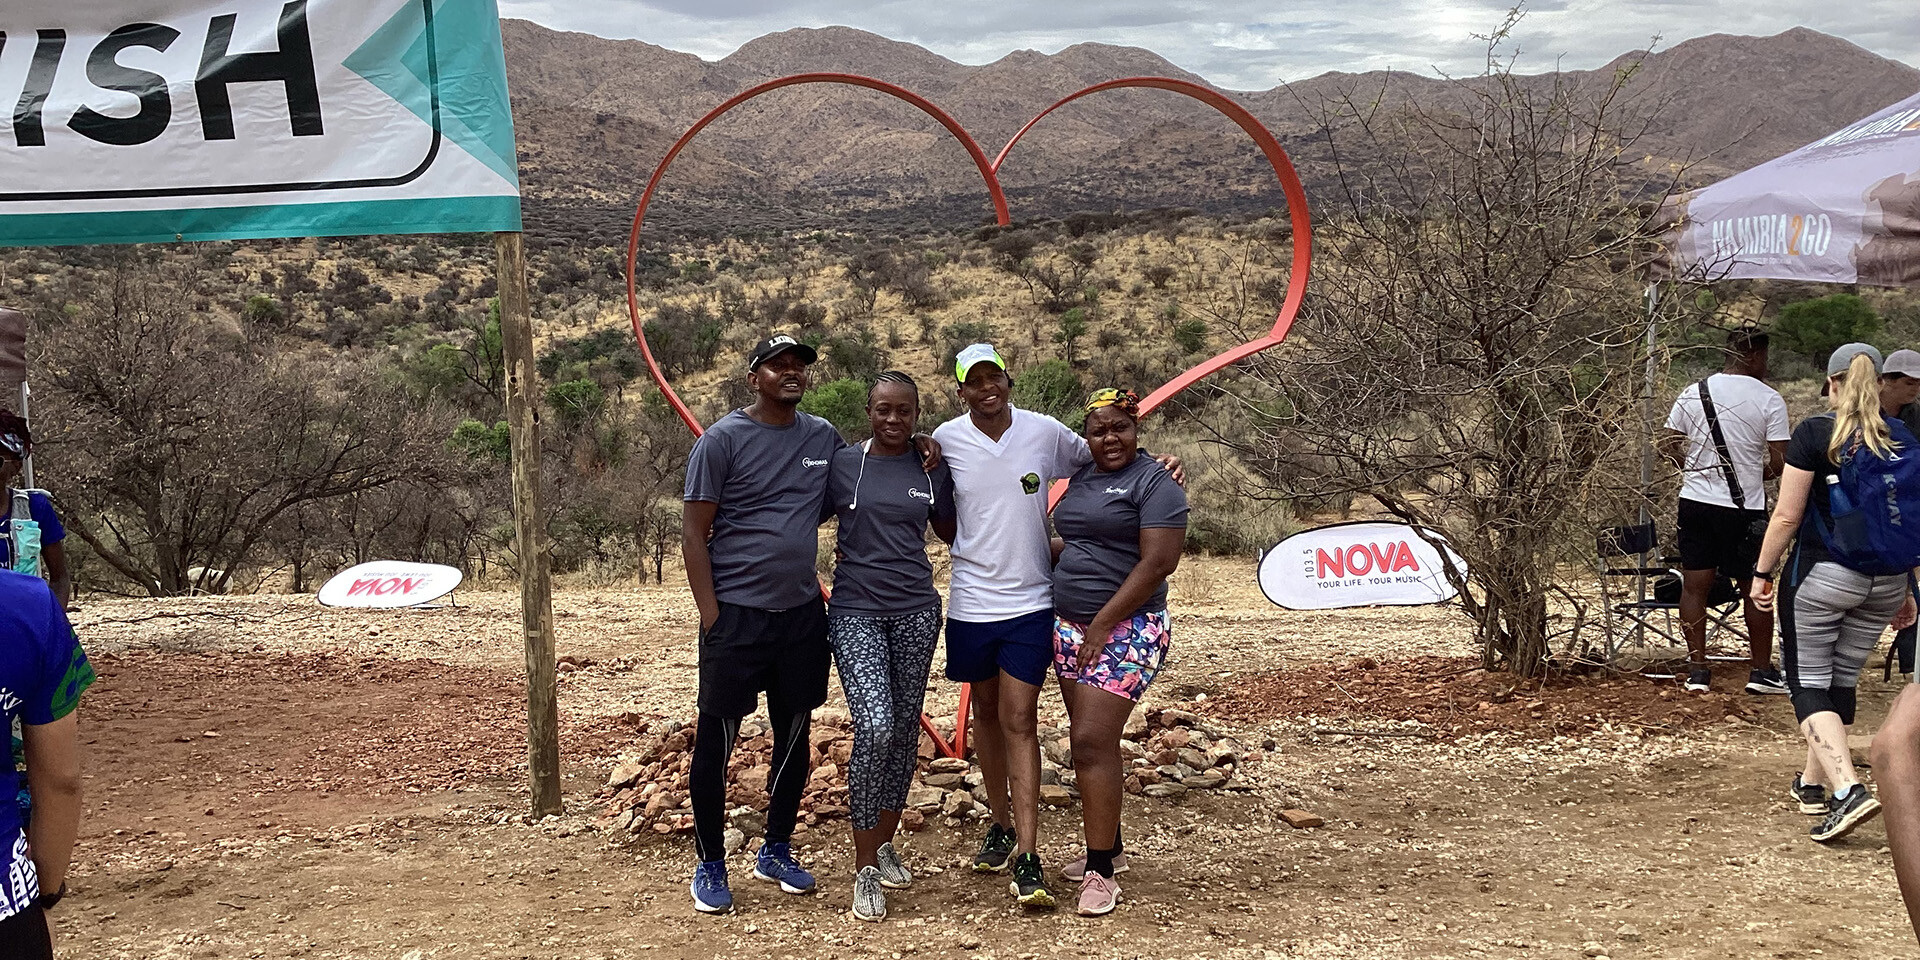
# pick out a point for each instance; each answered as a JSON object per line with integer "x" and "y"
{"x": 1098, "y": 895}
{"x": 1077, "y": 870}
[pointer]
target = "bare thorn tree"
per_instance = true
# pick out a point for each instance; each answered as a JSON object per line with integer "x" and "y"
{"x": 1473, "y": 347}
{"x": 174, "y": 443}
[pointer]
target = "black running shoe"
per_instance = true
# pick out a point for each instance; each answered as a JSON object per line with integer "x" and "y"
{"x": 1029, "y": 885}
{"x": 1811, "y": 797}
{"x": 994, "y": 850}
{"x": 1699, "y": 680}
{"x": 1843, "y": 815}
{"x": 1764, "y": 682}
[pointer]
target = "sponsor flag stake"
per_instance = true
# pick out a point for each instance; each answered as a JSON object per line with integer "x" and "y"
{"x": 536, "y": 591}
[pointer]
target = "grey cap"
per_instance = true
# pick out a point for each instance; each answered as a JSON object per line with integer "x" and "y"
{"x": 1906, "y": 363}
{"x": 1843, "y": 358}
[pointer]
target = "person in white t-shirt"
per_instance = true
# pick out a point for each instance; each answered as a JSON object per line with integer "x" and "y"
{"x": 1717, "y": 533}
{"x": 1000, "y": 605}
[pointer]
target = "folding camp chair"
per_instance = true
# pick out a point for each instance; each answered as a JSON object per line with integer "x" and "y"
{"x": 1640, "y": 594}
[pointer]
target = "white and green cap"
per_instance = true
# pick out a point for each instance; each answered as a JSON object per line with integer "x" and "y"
{"x": 977, "y": 354}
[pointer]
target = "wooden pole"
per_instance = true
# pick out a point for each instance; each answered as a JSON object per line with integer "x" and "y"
{"x": 536, "y": 593}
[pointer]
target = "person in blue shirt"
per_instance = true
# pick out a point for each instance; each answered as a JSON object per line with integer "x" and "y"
{"x": 43, "y": 672}
{"x": 16, "y": 443}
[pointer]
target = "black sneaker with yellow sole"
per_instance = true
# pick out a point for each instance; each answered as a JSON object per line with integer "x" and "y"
{"x": 1029, "y": 884}
{"x": 994, "y": 850}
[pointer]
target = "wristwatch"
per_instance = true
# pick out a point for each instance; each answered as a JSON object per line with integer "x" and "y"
{"x": 1766, "y": 575}
{"x": 48, "y": 900}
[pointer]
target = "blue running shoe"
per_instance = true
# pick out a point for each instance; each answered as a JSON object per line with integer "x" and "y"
{"x": 710, "y": 893}
{"x": 775, "y": 863}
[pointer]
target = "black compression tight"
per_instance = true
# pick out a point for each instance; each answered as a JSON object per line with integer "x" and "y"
{"x": 713, "y": 742}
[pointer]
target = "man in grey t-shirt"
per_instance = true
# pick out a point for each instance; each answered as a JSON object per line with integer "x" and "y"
{"x": 755, "y": 495}
{"x": 754, "y": 500}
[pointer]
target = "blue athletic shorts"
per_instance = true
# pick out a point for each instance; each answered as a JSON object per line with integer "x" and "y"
{"x": 1022, "y": 646}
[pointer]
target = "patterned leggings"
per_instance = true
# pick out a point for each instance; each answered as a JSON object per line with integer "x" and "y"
{"x": 883, "y": 668}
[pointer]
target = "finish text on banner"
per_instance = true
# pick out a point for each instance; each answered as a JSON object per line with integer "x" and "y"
{"x": 235, "y": 119}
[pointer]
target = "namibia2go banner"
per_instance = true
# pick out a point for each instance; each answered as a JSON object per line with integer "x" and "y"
{"x": 155, "y": 120}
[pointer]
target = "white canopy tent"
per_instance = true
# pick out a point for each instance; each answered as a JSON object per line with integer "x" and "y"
{"x": 1842, "y": 209}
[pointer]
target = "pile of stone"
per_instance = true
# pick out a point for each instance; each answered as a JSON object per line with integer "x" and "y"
{"x": 1168, "y": 752}
{"x": 1171, "y": 751}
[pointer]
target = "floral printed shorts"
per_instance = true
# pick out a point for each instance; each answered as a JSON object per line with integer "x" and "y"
{"x": 1132, "y": 656}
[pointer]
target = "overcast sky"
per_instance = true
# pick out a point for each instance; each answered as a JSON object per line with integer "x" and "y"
{"x": 1245, "y": 44}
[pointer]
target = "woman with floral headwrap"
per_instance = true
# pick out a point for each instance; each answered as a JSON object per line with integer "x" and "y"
{"x": 1121, "y": 525}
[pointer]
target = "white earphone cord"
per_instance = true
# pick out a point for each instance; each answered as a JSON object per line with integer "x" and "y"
{"x": 865, "y": 446}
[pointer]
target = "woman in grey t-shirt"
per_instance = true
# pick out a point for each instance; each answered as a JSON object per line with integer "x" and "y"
{"x": 1121, "y": 525}
{"x": 883, "y": 620}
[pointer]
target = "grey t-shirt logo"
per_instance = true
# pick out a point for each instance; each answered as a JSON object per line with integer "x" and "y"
{"x": 808, "y": 462}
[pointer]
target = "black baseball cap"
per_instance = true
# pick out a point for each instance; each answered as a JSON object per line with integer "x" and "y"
{"x": 776, "y": 345}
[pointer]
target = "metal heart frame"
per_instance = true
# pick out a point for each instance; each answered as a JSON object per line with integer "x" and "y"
{"x": 989, "y": 171}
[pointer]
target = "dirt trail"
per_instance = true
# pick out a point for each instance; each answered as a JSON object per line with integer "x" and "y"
{"x": 359, "y": 796}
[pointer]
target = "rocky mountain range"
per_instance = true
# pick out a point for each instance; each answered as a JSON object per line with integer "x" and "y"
{"x": 595, "y": 115}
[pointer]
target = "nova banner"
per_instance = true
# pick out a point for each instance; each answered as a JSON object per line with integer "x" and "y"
{"x": 389, "y": 584}
{"x": 155, "y": 120}
{"x": 1355, "y": 565}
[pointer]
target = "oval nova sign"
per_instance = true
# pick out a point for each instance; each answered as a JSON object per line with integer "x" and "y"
{"x": 1355, "y": 565}
{"x": 389, "y": 583}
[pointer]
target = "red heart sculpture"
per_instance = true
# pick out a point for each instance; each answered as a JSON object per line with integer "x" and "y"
{"x": 1276, "y": 156}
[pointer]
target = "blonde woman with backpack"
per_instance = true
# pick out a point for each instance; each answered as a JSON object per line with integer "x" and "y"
{"x": 1850, "y": 503}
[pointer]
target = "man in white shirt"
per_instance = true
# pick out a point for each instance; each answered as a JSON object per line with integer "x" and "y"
{"x": 1723, "y": 502}
{"x": 1000, "y": 606}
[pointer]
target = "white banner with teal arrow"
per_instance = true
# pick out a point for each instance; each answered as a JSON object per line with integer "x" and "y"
{"x": 153, "y": 120}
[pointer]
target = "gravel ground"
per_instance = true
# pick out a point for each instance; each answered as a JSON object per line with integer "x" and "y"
{"x": 270, "y": 779}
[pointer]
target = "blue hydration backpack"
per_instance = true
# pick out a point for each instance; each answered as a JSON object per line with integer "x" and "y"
{"x": 1876, "y": 507}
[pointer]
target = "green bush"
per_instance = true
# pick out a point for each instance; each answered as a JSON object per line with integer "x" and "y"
{"x": 481, "y": 442}
{"x": 956, "y": 337}
{"x": 684, "y": 339}
{"x": 1190, "y": 335}
{"x": 264, "y": 311}
{"x": 1818, "y": 327}
{"x": 438, "y": 371}
{"x": 611, "y": 352}
{"x": 842, "y": 403}
{"x": 1052, "y": 388}
{"x": 853, "y": 356}
{"x": 1073, "y": 326}
{"x": 576, "y": 403}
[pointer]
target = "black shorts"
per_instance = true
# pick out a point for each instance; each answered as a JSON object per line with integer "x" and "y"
{"x": 749, "y": 651}
{"x": 1713, "y": 537}
{"x": 24, "y": 936}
